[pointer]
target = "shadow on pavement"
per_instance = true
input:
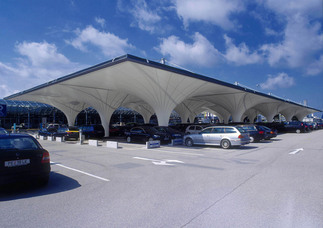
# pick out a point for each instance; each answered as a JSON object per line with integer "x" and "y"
{"x": 57, "y": 183}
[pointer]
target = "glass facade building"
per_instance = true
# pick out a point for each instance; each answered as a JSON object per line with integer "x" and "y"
{"x": 33, "y": 115}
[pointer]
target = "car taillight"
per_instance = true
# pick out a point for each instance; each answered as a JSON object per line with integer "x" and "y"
{"x": 45, "y": 158}
{"x": 261, "y": 132}
{"x": 240, "y": 136}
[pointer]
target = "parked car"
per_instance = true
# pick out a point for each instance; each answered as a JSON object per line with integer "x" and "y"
{"x": 193, "y": 129}
{"x": 296, "y": 126}
{"x": 266, "y": 132}
{"x": 224, "y": 136}
{"x": 144, "y": 134}
{"x": 254, "y": 134}
{"x": 22, "y": 158}
{"x": 92, "y": 131}
{"x": 172, "y": 133}
{"x": 68, "y": 133}
{"x": 3, "y": 131}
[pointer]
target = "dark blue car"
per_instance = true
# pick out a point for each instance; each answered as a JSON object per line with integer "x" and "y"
{"x": 23, "y": 158}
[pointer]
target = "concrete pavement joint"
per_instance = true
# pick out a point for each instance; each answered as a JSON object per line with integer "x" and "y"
{"x": 223, "y": 197}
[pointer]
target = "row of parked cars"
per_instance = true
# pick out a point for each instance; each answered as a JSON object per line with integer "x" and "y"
{"x": 72, "y": 132}
{"x": 226, "y": 136}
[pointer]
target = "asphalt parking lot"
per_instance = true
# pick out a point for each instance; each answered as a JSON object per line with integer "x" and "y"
{"x": 277, "y": 183}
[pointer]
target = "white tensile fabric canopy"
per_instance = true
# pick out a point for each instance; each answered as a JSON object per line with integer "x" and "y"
{"x": 149, "y": 87}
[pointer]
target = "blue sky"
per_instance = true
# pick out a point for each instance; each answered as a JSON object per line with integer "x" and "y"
{"x": 273, "y": 46}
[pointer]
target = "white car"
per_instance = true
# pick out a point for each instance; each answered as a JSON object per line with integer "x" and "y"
{"x": 224, "y": 136}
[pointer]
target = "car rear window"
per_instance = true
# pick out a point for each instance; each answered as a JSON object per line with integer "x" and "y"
{"x": 241, "y": 129}
{"x": 229, "y": 130}
{"x": 18, "y": 143}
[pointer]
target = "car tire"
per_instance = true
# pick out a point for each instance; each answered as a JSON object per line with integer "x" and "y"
{"x": 128, "y": 139}
{"x": 225, "y": 144}
{"x": 189, "y": 142}
{"x": 252, "y": 139}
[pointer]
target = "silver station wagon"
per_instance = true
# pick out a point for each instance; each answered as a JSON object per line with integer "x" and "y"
{"x": 224, "y": 136}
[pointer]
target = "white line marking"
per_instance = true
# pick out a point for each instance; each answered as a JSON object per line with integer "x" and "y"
{"x": 296, "y": 151}
{"x": 76, "y": 170}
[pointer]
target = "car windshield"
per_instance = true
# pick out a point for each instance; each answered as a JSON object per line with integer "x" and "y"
{"x": 21, "y": 143}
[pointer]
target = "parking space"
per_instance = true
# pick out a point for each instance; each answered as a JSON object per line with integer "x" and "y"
{"x": 176, "y": 186}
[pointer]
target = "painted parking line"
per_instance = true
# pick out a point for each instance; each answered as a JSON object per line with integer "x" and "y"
{"x": 79, "y": 171}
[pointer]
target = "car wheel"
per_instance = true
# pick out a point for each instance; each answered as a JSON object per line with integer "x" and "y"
{"x": 298, "y": 131}
{"x": 225, "y": 144}
{"x": 252, "y": 139}
{"x": 128, "y": 139}
{"x": 189, "y": 142}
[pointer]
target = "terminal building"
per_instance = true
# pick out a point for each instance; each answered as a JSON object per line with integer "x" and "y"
{"x": 151, "y": 88}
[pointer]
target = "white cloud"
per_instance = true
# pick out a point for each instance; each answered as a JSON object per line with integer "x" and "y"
{"x": 217, "y": 12}
{"x": 145, "y": 18}
{"x": 41, "y": 53}
{"x": 146, "y": 15}
{"x": 37, "y": 63}
{"x": 282, "y": 80}
{"x": 316, "y": 67}
{"x": 292, "y": 7}
{"x": 301, "y": 42}
{"x": 200, "y": 53}
{"x": 240, "y": 55}
{"x": 100, "y": 21}
{"x": 109, "y": 44}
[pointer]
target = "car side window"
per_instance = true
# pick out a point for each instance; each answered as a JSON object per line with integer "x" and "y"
{"x": 198, "y": 128}
{"x": 136, "y": 130}
{"x": 191, "y": 128}
{"x": 218, "y": 130}
{"x": 206, "y": 131}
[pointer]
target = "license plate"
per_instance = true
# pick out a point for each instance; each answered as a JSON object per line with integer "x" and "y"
{"x": 17, "y": 163}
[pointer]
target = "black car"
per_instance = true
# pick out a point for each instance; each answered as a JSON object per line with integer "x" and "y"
{"x": 68, "y": 133}
{"x": 23, "y": 158}
{"x": 254, "y": 134}
{"x": 172, "y": 133}
{"x": 3, "y": 131}
{"x": 266, "y": 132}
{"x": 92, "y": 131}
{"x": 144, "y": 134}
{"x": 296, "y": 126}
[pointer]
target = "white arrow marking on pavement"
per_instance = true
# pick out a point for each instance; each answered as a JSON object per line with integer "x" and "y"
{"x": 159, "y": 162}
{"x": 296, "y": 151}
